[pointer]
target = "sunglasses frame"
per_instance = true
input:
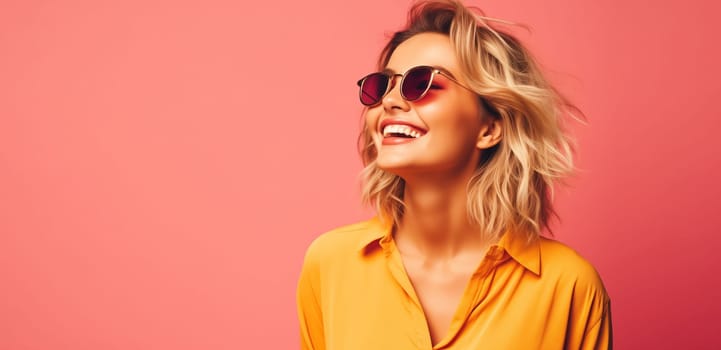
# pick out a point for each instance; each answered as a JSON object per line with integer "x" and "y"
{"x": 391, "y": 77}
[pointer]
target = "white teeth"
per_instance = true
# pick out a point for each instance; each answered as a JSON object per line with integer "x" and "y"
{"x": 400, "y": 129}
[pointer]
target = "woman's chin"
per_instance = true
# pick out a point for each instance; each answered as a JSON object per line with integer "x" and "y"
{"x": 394, "y": 167}
{"x": 402, "y": 168}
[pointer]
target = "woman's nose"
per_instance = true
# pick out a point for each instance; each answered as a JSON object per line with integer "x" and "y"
{"x": 394, "y": 99}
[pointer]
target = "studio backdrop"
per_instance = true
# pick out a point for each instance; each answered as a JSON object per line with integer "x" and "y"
{"x": 165, "y": 164}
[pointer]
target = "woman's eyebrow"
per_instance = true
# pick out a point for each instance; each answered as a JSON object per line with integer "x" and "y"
{"x": 444, "y": 70}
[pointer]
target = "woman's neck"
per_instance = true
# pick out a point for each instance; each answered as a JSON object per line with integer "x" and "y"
{"x": 435, "y": 222}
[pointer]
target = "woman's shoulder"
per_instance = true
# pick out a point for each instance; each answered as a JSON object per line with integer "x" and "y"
{"x": 345, "y": 239}
{"x": 560, "y": 261}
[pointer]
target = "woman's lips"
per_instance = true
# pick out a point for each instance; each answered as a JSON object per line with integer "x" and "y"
{"x": 394, "y": 140}
{"x": 398, "y": 132}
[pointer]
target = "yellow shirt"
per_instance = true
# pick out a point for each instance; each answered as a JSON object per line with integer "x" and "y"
{"x": 354, "y": 294}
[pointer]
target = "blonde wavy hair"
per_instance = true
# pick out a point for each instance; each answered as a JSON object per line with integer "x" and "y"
{"x": 512, "y": 188}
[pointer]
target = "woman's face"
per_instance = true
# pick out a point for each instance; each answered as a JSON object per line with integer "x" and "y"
{"x": 449, "y": 121}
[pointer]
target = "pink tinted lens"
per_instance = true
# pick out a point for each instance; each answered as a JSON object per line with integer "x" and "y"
{"x": 416, "y": 83}
{"x": 372, "y": 88}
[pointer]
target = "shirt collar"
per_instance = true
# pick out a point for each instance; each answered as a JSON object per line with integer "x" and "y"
{"x": 526, "y": 252}
{"x": 377, "y": 229}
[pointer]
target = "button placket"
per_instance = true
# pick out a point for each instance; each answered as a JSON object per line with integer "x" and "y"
{"x": 477, "y": 289}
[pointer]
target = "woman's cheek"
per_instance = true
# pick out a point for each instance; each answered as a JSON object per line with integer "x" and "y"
{"x": 371, "y": 122}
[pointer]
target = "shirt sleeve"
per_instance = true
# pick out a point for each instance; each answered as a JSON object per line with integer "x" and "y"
{"x": 599, "y": 336}
{"x": 310, "y": 315}
{"x": 589, "y": 325}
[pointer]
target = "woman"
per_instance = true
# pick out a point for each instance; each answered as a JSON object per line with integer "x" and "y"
{"x": 461, "y": 143}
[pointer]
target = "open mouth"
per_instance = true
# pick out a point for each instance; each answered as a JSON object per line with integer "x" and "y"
{"x": 400, "y": 131}
{"x": 404, "y": 131}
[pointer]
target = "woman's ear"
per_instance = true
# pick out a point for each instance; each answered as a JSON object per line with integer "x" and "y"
{"x": 490, "y": 134}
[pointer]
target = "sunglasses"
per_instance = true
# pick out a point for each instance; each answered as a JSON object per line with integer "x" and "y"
{"x": 415, "y": 83}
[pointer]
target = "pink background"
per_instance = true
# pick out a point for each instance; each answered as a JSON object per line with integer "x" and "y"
{"x": 164, "y": 164}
